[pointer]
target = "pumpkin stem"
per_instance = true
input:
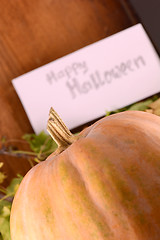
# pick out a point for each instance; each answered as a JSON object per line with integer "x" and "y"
{"x": 59, "y": 131}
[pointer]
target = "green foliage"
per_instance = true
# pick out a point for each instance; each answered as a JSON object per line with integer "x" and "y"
{"x": 13, "y": 187}
{"x": 138, "y": 106}
{"x": 5, "y": 208}
{"x": 42, "y": 144}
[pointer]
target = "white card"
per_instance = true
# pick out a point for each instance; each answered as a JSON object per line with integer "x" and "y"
{"x": 82, "y": 86}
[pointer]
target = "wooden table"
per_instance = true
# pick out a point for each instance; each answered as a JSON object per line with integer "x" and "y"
{"x": 33, "y": 33}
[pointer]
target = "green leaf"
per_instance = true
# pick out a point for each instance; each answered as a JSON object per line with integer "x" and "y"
{"x": 42, "y": 144}
{"x": 141, "y": 106}
{"x": 5, "y": 208}
{"x": 3, "y": 204}
{"x": 35, "y": 141}
{"x": 13, "y": 187}
{"x": 138, "y": 106}
{"x": 5, "y": 228}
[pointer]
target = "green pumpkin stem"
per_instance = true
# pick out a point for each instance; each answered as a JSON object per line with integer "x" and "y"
{"x": 59, "y": 131}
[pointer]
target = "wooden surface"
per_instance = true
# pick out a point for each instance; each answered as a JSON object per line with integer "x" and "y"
{"x": 33, "y": 33}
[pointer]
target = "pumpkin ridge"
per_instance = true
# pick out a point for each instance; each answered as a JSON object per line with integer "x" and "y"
{"x": 148, "y": 164}
{"x": 113, "y": 189}
{"x": 92, "y": 205}
{"x": 119, "y": 173}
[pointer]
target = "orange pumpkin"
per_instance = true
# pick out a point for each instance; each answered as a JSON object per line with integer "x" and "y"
{"x": 103, "y": 184}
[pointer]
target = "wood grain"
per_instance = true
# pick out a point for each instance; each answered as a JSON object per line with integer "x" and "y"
{"x": 33, "y": 33}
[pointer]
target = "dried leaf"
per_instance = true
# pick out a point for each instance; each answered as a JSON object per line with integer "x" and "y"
{"x": 155, "y": 105}
{"x": 2, "y": 177}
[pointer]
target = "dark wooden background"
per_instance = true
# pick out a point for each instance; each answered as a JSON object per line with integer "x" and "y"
{"x": 33, "y": 33}
{"x": 149, "y": 14}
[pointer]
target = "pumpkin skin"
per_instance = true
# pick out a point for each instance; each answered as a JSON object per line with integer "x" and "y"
{"x": 105, "y": 186}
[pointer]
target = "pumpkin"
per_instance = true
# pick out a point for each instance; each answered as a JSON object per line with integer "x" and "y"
{"x": 103, "y": 184}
